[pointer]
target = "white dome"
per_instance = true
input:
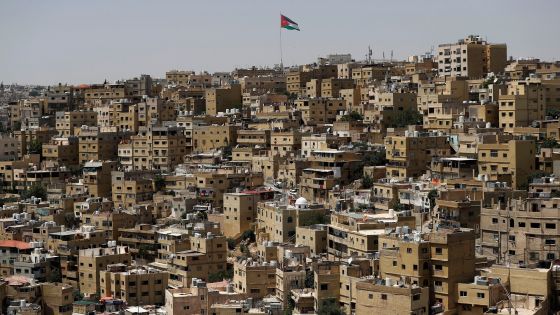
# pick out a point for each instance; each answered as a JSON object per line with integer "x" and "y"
{"x": 301, "y": 202}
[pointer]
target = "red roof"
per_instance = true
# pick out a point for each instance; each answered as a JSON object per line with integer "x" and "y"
{"x": 17, "y": 244}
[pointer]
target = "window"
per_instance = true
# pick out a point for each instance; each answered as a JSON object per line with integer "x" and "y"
{"x": 550, "y": 242}
{"x": 462, "y": 293}
{"x": 439, "y": 251}
{"x": 384, "y": 296}
{"x": 480, "y": 295}
{"x": 324, "y": 286}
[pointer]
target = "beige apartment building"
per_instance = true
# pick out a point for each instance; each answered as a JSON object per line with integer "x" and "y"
{"x": 320, "y": 111}
{"x": 330, "y": 88}
{"x": 154, "y": 148}
{"x": 121, "y": 114}
{"x": 131, "y": 188}
{"x": 57, "y": 298}
{"x": 296, "y": 80}
{"x": 67, "y": 122}
{"x": 240, "y": 211}
{"x": 97, "y": 177}
{"x": 218, "y": 100}
{"x": 376, "y": 296}
{"x": 154, "y": 110}
{"x": 96, "y": 144}
{"x": 94, "y": 260}
{"x": 523, "y": 231}
{"x": 524, "y": 103}
{"x": 471, "y": 57}
{"x": 284, "y": 143}
{"x": 256, "y": 279}
{"x": 410, "y": 155}
{"x": 206, "y": 256}
{"x": 511, "y": 162}
{"x": 356, "y": 234}
{"x": 314, "y": 237}
{"x": 198, "y": 298}
{"x": 278, "y": 222}
{"x": 212, "y": 137}
{"x": 439, "y": 260}
{"x": 328, "y": 168}
{"x": 62, "y": 151}
{"x": 134, "y": 285}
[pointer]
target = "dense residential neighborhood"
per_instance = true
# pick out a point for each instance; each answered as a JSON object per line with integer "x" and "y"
{"x": 429, "y": 185}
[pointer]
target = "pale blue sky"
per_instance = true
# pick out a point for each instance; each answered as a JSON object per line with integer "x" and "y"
{"x": 54, "y": 41}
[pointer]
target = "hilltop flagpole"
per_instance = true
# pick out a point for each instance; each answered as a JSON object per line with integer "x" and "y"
{"x": 281, "y": 52}
{"x": 285, "y": 23}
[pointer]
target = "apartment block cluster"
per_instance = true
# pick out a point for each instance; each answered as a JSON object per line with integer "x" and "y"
{"x": 429, "y": 185}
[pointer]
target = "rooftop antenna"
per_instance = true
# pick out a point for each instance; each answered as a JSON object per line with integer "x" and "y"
{"x": 391, "y": 55}
{"x": 369, "y": 54}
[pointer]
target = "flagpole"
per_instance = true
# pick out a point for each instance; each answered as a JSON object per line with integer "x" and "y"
{"x": 281, "y": 53}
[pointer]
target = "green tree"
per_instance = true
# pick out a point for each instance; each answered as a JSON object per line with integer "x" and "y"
{"x": 244, "y": 249}
{"x": 330, "y": 307}
{"x": 432, "y": 195}
{"x": 405, "y": 118}
{"x": 289, "y": 310}
{"x": 309, "y": 279}
{"x": 159, "y": 183}
{"x": 531, "y": 178}
{"x": 227, "y": 151}
{"x": 367, "y": 181}
{"x": 16, "y": 126}
{"x": 250, "y": 235}
{"x": 221, "y": 275}
{"x": 553, "y": 112}
{"x": 36, "y": 190}
{"x": 230, "y": 243}
{"x": 35, "y": 147}
{"x": 550, "y": 143}
{"x": 352, "y": 116}
{"x": 375, "y": 158}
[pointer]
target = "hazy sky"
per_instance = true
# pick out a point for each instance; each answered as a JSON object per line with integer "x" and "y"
{"x": 46, "y": 42}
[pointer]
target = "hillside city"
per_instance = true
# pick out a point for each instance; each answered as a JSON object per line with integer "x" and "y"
{"x": 429, "y": 185}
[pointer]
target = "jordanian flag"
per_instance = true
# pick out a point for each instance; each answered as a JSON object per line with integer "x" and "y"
{"x": 288, "y": 24}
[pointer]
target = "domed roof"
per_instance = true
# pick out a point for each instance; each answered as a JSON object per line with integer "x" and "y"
{"x": 301, "y": 201}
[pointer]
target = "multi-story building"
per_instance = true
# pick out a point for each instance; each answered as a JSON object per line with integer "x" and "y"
{"x": 320, "y": 111}
{"x": 439, "y": 260}
{"x": 62, "y": 151}
{"x": 97, "y": 144}
{"x": 218, "y": 100}
{"x": 511, "y": 162}
{"x": 67, "y": 122}
{"x": 97, "y": 177}
{"x": 153, "y": 148}
{"x": 205, "y": 257}
{"x": 328, "y": 168}
{"x": 522, "y": 104}
{"x": 134, "y": 285}
{"x": 278, "y": 222}
{"x": 255, "y": 279}
{"x": 131, "y": 188}
{"x": 409, "y": 155}
{"x": 94, "y": 260}
{"x": 471, "y": 57}
{"x": 356, "y": 234}
{"x": 374, "y": 296}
